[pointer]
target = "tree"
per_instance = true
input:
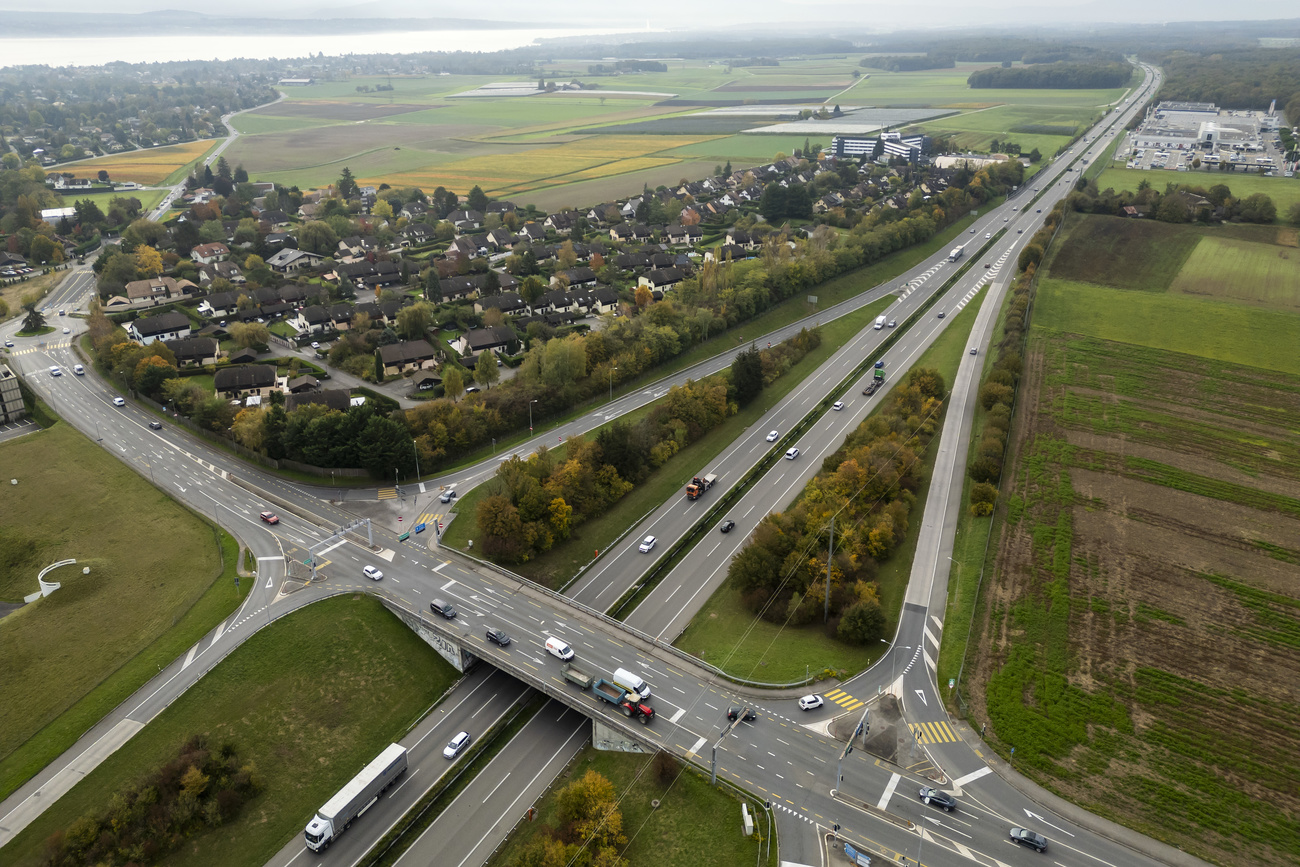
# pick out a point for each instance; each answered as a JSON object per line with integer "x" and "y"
{"x": 33, "y": 321}
{"x": 453, "y": 382}
{"x": 432, "y": 285}
{"x": 249, "y": 334}
{"x": 413, "y": 321}
{"x": 43, "y": 251}
{"x": 747, "y": 375}
{"x": 485, "y": 371}
{"x": 241, "y": 176}
{"x": 1258, "y": 208}
{"x": 151, "y": 374}
{"x": 318, "y": 237}
{"x": 531, "y": 289}
{"x": 382, "y": 210}
{"x": 348, "y": 188}
{"x": 477, "y": 200}
{"x": 862, "y": 623}
{"x": 148, "y": 262}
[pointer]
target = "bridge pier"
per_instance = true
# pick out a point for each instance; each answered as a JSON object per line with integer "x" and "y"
{"x": 460, "y": 658}
{"x": 611, "y": 740}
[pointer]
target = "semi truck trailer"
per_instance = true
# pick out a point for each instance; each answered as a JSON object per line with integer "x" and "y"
{"x": 700, "y": 484}
{"x": 355, "y": 798}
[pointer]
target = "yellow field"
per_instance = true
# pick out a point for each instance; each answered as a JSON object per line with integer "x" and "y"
{"x": 150, "y": 166}
{"x": 585, "y": 159}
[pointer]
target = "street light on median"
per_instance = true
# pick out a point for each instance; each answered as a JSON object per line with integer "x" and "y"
{"x": 611, "y": 383}
{"x": 530, "y": 415}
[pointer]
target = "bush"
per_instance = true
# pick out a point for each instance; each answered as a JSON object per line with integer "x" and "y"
{"x": 862, "y": 623}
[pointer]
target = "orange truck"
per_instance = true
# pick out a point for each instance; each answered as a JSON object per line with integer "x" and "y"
{"x": 699, "y": 485}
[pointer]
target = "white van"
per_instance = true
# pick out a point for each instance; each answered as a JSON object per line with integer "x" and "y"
{"x": 78, "y": 370}
{"x": 558, "y": 648}
{"x": 630, "y": 682}
{"x": 880, "y": 323}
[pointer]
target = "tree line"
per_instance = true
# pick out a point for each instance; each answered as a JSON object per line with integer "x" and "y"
{"x": 1241, "y": 78}
{"x": 142, "y": 824}
{"x": 1054, "y": 76}
{"x": 869, "y": 486}
{"x": 909, "y": 62}
{"x": 1179, "y": 203}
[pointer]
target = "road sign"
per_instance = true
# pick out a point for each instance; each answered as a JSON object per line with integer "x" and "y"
{"x": 403, "y": 537}
{"x": 419, "y": 528}
{"x": 399, "y": 519}
{"x": 951, "y": 683}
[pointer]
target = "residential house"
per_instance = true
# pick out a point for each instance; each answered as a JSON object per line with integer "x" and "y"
{"x": 465, "y": 246}
{"x": 596, "y": 301}
{"x": 466, "y": 221}
{"x": 165, "y": 326}
{"x": 293, "y": 261}
{"x": 662, "y": 278}
{"x": 398, "y": 358}
{"x": 312, "y": 320}
{"x": 489, "y": 339}
{"x": 531, "y": 232}
{"x": 159, "y": 289}
{"x": 300, "y": 384}
{"x": 250, "y": 379}
{"x": 575, "y": 278}
{"x": 275, "y": 220}
{"x": 414, "y": 210}
{"x": 219, "y": 304}
{"x": 507, "y": 302}
{"x": 207, "y": 254}
{"x": 562, "y": 222}
{"x": 416, "y": 234}
{"x": 341, "y": 316}
{"x": 195, "y": 351}
{"x": 356, "y": 246}
{"x": 500, "y": 239}
{"x": 501, "y": 208}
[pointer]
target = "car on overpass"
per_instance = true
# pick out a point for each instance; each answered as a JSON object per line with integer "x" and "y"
{"x": 498, "y": 637}
{"x": 270, "y": 517}
{"x": 558, "y": 648}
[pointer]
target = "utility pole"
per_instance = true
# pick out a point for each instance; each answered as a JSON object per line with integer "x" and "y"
{"x": 830, "y": 554}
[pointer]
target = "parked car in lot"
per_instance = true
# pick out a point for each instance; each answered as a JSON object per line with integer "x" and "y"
{"x": 456, "y": 746}
{"x": 1026, "y": 837}
{"x": 935, "y": 798}
{"x": 811, "y": 702}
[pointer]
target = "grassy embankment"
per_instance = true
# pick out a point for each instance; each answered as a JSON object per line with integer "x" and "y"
{"x": 76, "y": 654}
{"x": 325, "y": 688}
{"x": 712, "y": 633}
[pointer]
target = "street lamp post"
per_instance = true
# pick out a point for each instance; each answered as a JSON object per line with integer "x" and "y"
{"x": 893, "y": 661}
{"x": 530, "y": 415}
{"x": 611, "y": 383}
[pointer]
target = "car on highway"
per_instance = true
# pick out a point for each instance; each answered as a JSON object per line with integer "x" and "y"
{"x": 1039, "y": 211}
{"x": 974, "y": 350}
{"x": 1020, "y": 231}
{"x": 893, "y": 322}
{"x": 838, "y": 405}
{"x": 558, "y": 648}
{"x": 942, "y": 314}
{"x": 372, "y": 573}
{"x": 498, "y": 637}
{"x": 791, "y": 454}
{"x": 647, "y": 544}
{"x": 270, "y": 517}
{"x": 1026, "y": 837}
{"x": 727, "y": 526}
{"x": 117, "y": 401}
{"x": 744, "y": 714}
{"x": 456, "y": 746}
{"x": 932, "y": 797}
{"x": 811, "y": 702}
{"x": 988, "y": 234}
{"x": 773, "y": 436}
{"x": 155, "y": 425}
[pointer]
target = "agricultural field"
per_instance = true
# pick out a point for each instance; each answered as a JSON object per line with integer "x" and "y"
{"x": 149, "y": 166}
{"x": 1284, "y": 192}
{"x": 1046, "y": 127}
{"x": 1141, "y": 641}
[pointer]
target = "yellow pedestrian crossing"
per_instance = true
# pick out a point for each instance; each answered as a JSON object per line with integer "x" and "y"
{"x": 844, "y": 700}
{"x": 387, "y": 493}
{"x": 429, "y": 518}
{"x": 934, "y": 733}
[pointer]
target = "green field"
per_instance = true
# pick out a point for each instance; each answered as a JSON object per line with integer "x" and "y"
{"x": 1046, "y": 127}
{"x": 726, "y": 634}
{"x": 693, "y": 817}
{"x": 326, "y": 688}
{"x": 1252, "y": 273}
{"x": 74, "y": 655}
{"x": 1284, "y": 192}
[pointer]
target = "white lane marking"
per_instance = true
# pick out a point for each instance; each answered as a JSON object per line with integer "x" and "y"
{"x": 675, "y": 717}
{"x": 933, "y": 640}
{"x": 889, "y": 791}
{"x": 448, "y": 585}
{"x": 189, "y": 657}
{"x": 220, "y": 629}
{"x": 929, "y": 661}
{"x": 938, "y": 624}
{"x": 695, "y": 749}
{"x": 972, "y": 776}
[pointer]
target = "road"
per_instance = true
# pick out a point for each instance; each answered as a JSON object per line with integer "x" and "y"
{"x": 782, "y": 759}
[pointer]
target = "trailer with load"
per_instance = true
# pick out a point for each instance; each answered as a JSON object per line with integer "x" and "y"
{"x": 700, "y": 484}
{"x": 355, "y": 798}
{"x": 575, "y": 675}
{"x": 625, "y": 701}
{"x": 955, "y": 253}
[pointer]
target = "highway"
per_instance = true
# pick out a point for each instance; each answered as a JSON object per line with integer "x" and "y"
{"x": 775, "y": 756}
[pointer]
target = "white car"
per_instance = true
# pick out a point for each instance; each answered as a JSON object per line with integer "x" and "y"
{"x": 456, "y": 746}
{"x": 372, "y": 573}
{"x": 838, "y": 405}
{"x": 67, "y": 330}
{"x": 811, "y": 702}
{"x": 791, "y": 454}
{"x": 647, "y": 544}
{"x": 315, "y": 344}
{"x": 773, "y": 436}
{"x": 117, "y": 401}
{"x": 988, "y": 234}
{"x": 558, "y": 648}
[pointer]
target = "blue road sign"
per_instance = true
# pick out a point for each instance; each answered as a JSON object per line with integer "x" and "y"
{"x": 419, "y": 528}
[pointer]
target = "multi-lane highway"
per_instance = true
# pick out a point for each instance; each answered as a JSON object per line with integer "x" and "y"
{"x": 777, "y": 756}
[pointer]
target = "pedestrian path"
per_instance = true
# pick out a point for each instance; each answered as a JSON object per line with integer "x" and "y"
{"x": 934, "y": 733}
{"x": 844, "y": 700}
{"x": 387, "y": 494}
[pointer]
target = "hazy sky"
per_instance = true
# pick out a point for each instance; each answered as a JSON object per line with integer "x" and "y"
{"x": 732, "y": 14}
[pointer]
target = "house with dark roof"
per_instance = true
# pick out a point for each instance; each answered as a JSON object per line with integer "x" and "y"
{"x": 506, "y": 302}
{"x": 292, "y": 261}
{"x": 258, "y": 379}
{"x": 478, "y": 340}
{"x": 166, "y": 326}
{"x": 219, "y": 304}
{"x": 575, "y": 278}
{"x": 194, "y": 351}
{"x": 312, "y": 320}
{"x": 662, "y": 278}
{"x": 300, "y": 384}
{"x": 398, "y": 358}
{"x": 683, "y": 234}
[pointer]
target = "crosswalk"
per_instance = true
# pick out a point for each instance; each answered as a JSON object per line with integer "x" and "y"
{"x": 844, "y": 700}
{"x": 45, "y": 346}
{"x": 934, "y": 733}
{"x": 387, "y": 494}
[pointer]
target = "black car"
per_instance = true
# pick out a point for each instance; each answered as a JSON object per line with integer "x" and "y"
{"x": 727, "y": 526}
{"x": 498, "y": 637}
{"x": 749, "y": 714}
{"x": 936, "y": 798}
{"x": 155, "y": 425}
{"x": 1026, "y": 837}
{"x": 941, "y": 314}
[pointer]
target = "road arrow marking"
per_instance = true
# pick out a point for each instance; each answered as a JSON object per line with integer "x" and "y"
{"x": 1038, "y": 818}
{"x": 921, "y": 695}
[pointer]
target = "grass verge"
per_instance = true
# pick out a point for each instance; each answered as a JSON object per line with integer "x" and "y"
{"x": 693, "y": 817}
{"x": 712, "y": 634}
{"x": 326, "y": 688}
{"x": 78, "y": 653}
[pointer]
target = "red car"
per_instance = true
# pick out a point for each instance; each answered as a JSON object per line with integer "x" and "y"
{"x": 270, "y": 517}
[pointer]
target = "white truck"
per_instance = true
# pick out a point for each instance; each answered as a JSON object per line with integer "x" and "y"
{"x": 955, "y": 253}
{"x": 355, "y": 798}
{"x": 880, "y": 323}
